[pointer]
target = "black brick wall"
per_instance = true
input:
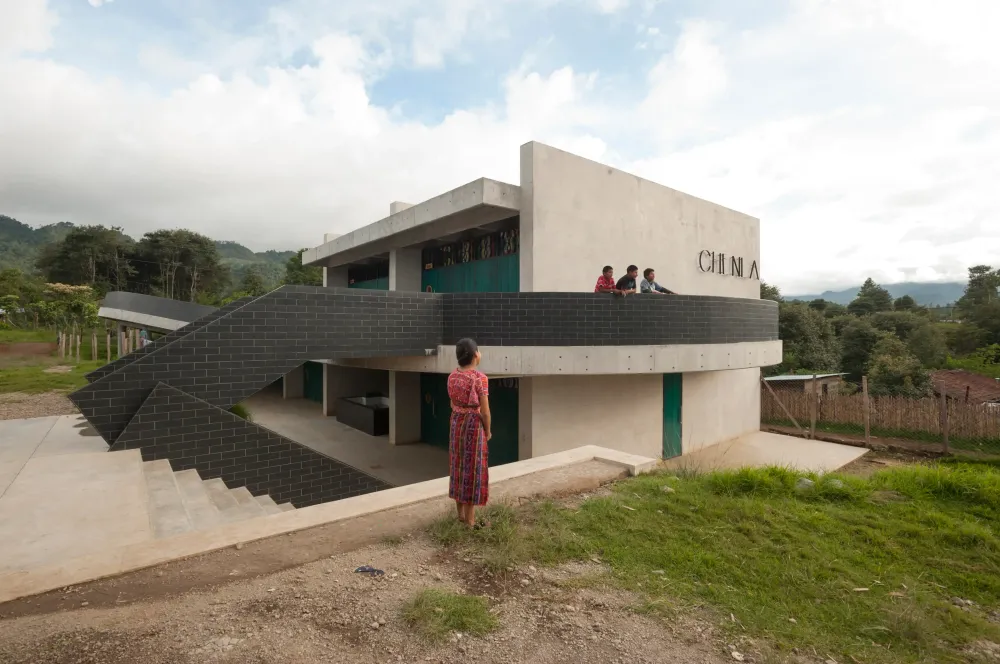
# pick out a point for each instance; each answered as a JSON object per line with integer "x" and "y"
{"x": 231, "y": 358}
{"x": 171, "y": 399}
{"x": 601, "y": 319}
{"x": 191, "y": 433}
{"x": 125, "y": 360}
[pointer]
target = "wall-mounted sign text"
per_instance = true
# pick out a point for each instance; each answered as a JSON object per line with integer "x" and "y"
{"x": 717, "y": 262}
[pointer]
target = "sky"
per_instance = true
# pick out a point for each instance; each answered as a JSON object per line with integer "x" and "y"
{"x": 865, "y": 134}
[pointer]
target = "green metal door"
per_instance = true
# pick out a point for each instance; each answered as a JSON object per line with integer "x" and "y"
{"x": 313, "y": 378}
{"x": 435, "y": 409}
{"x": 435, "y": 415}
{"x": 504, "y": 409}
{"x": 672, "y": 400}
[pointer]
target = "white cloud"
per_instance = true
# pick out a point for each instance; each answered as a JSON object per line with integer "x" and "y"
{"x": 98, "y": 3}
{"x": 26, "y": 26}
{"x": 867, "y": 141}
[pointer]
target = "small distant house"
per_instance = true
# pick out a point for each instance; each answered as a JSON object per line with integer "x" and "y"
{"x": 967, "y": 387}
{"x": 825, "y": 383}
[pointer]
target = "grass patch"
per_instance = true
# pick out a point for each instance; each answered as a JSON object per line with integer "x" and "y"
{"x": 240, "y": 410}
{"x": 30, "y": 375}
{"x": 18, "y": 335}
{"x": 436, "y": 614}
{"x": 932, "y": 439}
{"x": 756, "y": 545}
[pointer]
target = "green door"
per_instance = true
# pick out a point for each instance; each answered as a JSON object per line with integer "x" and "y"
{"x": 672, "y": 399}
{"x": 493, "y": 275}
{"x": 435, "y": 415}
{"x": 435, "y": 409}
{"x": 313, "y": 378}
{"x": 504, "y": 409}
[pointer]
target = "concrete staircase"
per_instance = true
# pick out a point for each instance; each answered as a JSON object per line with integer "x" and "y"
{"x": 181, "y": 502}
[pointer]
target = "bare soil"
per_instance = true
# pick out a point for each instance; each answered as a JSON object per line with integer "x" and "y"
{"x": 18, "y": 405}
{"x": 324, "y": 612}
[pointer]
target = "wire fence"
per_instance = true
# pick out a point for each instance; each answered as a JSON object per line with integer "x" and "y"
{"x": 944, "y": 423}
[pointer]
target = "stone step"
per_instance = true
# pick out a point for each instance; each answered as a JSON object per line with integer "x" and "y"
{"x": 167, "y": 515}
{"x": 246, "y": 507}
{"x": 268, "y": 505}
{"x": 220, "y": 494}
{"x": 286, "y": 507}
{"x": 201, "y": 511}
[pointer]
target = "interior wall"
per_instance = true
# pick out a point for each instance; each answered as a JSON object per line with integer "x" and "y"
{"x": 578, "y": 215}
{"x": 340, "y": 382}
{"x": 718, "y": 406}
{"x": 559, "y": 413}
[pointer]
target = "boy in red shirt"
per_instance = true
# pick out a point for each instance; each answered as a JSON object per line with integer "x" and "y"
{"x": 606, "y": 282}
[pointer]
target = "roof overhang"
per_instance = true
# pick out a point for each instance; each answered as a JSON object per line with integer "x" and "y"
{"x": 144, "y": 321}
{"x": 479, "y": 203}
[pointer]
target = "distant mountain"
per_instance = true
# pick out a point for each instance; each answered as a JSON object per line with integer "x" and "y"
{"x": 20, "y": 244}
{"x": 928, "y": 294}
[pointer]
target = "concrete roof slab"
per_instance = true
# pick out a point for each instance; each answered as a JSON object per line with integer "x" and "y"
{"x": 477, "y": 203}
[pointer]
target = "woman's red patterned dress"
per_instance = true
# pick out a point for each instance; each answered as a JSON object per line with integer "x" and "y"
{"x": 468, "y": 452}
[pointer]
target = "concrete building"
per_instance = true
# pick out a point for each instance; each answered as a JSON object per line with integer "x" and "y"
{"x": 685, "y": 374}
{"x": 512, "y": 266}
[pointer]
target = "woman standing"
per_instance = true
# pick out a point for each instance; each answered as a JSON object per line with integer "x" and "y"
{"x": 469, "y": 455}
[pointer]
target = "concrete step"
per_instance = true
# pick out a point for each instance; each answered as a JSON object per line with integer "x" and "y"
{"x": 286, "y": 507}
{"x": 201, "y": 510}
{"x": 167, "y": 515}
{"x": 268, "y": 505}
{"x": 246, "y": 507}
{"x": 220, "y": 494}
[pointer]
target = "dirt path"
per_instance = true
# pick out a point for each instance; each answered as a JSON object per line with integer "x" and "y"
{"x": 323, "y": 612}
{"x": 18, "y": 405}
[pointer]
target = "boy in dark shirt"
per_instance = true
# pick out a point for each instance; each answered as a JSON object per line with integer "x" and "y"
{"x": 627, "y": 283}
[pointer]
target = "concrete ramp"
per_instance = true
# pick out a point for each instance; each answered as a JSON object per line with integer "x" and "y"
{"x": 761, "y": 448}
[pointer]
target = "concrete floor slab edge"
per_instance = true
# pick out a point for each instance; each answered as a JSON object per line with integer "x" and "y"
{"x": 23, "y": 583}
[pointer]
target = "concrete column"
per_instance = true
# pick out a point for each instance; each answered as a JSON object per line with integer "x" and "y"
{"x": 397, "y": 206}
{"x": 335, "y": 277}
{"x": 524, "y": 418}
{"x": 294, "y": 384}
{"x": 404, "y": 407}
{"x": 405, "y": 269}
{"x": 121, "y": 339}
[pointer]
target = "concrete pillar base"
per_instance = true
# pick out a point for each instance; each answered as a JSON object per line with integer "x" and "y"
{"x": 404, "y": 407}
{"x": 294, "y": 384}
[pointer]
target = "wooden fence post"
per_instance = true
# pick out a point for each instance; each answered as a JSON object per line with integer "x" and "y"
{"x": 778, "y": 401}
{"x": 868, "y": 411}
{"x": 107, "y": 341}
{"x": 93, "y": 344}
{"x": 813, "y": 404}
{"x": 79, "y": 342}
{"x": 944, "y": 423}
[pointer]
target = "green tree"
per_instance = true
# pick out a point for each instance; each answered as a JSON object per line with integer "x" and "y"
{"x": 769, "y": 292}
{"x": 871, "y": 299}
{"x": 94, "y": 256}
{"x": 253, "y": 283}
{"x": 807, "y": 338}
{"x": 180, "y": 264}
{"x": 928, "y": 344}
{"x": 894, "y": 371}
{"x": 296, "y": 273}
{"x": 904, "y": 303}
{"x": 982, "y": 288}
{"x": 899, "y": 323}
{"x": 857, "y": 341}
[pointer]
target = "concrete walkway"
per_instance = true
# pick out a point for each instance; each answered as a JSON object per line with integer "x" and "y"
{"x": 63, "y": 494}
{"x": 303, "y": 421}
{"x": 761, "y": 448}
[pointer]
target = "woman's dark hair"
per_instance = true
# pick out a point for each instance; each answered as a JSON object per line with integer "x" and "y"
{"x": 465, "y": 351}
